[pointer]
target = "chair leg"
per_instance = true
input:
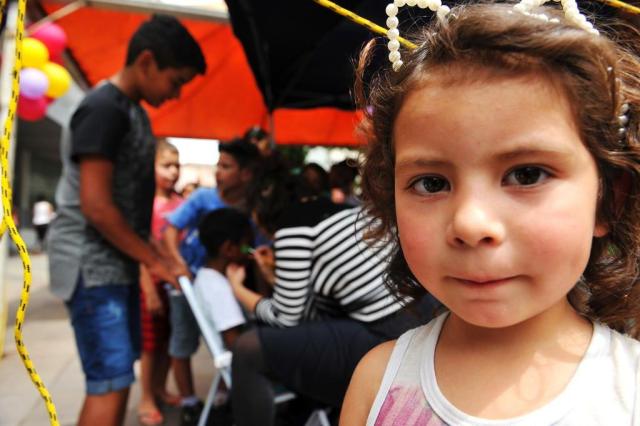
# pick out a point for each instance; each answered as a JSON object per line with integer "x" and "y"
{"x": 318, "y": 418}
{"x": 209, "y": 401}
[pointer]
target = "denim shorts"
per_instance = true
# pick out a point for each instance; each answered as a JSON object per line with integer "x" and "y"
{"x": 106, "y": 323}
{"x": 185, "y": 333}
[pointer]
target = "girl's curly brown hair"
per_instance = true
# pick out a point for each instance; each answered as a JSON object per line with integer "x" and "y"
{"x": 597, "y": 73}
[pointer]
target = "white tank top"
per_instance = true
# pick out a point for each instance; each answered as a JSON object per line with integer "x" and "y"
{"x": 603, "y": 390}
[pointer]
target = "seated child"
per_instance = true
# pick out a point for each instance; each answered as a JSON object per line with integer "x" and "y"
{"x": 223, "y": 233}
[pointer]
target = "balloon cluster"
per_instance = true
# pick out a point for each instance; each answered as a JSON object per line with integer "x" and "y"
{"x": 42, "y": 78}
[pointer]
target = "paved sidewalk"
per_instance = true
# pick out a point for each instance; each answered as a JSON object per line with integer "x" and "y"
{"x": 49, "y": 340}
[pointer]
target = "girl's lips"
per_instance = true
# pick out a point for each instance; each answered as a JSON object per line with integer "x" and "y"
{"x": 484, "y": 282}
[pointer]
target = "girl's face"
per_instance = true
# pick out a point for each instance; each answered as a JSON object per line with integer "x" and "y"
{"x": 167, "y": 169}
{"x": 495, "y": 197}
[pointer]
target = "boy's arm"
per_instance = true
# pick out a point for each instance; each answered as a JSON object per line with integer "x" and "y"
{"x": 171, "y": 239}
{"x": 96, "y": 202}
{"x": 364, "y": 385}
{"x": 152, "y": 302}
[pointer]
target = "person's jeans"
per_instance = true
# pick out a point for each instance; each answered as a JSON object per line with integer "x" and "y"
{"x": 106, "y": 323}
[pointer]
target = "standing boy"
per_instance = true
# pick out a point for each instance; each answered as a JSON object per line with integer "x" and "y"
{"x": 104, "y": 198}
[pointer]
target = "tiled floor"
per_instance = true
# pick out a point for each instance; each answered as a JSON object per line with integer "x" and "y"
{"x": 49, "y": 340}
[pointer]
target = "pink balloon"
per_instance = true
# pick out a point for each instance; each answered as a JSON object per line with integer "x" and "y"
{"x": 57, "y": 59}
{"x": 53, "y": 36}
{"x": 33, "y": 83}
{"x": 31, "y": 109}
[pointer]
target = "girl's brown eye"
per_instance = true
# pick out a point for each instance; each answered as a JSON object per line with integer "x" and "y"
{"x": 431, "y": 185}
{"x": 526, "y": 176}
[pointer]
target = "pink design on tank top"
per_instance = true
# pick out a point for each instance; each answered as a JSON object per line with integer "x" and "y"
{"x": 407, "y": 406}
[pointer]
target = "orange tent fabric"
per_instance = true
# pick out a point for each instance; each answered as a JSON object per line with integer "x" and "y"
{"x": 221, "y": 104}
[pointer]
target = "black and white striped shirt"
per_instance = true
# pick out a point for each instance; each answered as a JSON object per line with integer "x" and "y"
{"x": 328, "y": 270}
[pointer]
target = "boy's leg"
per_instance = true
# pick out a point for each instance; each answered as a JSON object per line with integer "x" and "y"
{"x": 183, "y": 376}
{"x": 106, "y": 324}
{"x": 147, "y": 405}
{"x": 183, "y": 343}
{"x": 163, "y": 363}
{"x": 154, "y": 359}
{"x": 108, "y": 409}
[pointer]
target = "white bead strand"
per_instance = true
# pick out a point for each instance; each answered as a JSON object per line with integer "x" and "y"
{"x": 393, "y": 34}
{"x": 571, "y": 13}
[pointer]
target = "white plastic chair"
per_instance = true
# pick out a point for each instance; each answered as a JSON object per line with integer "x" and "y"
{"x": 222, "y": 359}
{"x": 213, "y": 340}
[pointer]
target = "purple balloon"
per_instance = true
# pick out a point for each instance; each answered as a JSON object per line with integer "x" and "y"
{"x": 33, "y": 83}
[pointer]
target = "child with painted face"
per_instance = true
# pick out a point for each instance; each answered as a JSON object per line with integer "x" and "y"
{"x": 504, "y": 159}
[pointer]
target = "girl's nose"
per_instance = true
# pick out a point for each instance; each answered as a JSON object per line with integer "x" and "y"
{"x": 475, "y": 222}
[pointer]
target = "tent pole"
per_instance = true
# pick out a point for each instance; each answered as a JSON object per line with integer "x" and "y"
{"x": 6, "y": 69}
{"x": 58, "y": 14}
{"x": 272, "y": 130}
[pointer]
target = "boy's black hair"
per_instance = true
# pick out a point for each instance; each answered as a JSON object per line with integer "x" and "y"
{"x": 225, "y": 224}
{"x": 245, "y": 153}
{"x": 169, "y": 41}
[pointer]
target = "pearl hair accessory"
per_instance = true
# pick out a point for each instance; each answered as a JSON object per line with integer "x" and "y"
{"x": 623, "y": 120}
{"x": 392, "y": 23}
{"x": 622, "y": 114}
{"x": 571, "y": 13}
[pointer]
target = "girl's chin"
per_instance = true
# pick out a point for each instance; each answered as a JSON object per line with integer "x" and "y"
{"x": 489, "y": 320}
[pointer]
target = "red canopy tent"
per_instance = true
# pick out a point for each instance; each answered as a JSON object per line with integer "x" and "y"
{"x": 221, "y": 104}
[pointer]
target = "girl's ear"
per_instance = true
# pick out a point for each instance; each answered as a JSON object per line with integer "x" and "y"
{"x": 621, "y": 188}
{"x": 600, "y": 230}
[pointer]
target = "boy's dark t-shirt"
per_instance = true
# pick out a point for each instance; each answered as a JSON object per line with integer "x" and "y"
{"x": 107, "y": 124}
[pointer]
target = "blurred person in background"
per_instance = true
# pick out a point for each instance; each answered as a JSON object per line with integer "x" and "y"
{"x": 261, "y": 139}
{"x": 342, "y": 178}
{"x": 43, "y": 214}
{"x": 154, "y": 303}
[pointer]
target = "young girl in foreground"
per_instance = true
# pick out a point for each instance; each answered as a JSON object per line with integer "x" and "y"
{"x": 505, "y": 153}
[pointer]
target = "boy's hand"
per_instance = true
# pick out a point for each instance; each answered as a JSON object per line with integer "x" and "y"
{"x": 181, "y": 270}
{"x": 158, "y": 269}
{"x": 236, "y": 275}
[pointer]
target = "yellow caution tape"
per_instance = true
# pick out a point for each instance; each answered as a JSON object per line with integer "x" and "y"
{"x": 406, "y": 43}
{"x": 622, "y": 5}
{"x": 362, "y": 21}
{"x": 7, "y": 217}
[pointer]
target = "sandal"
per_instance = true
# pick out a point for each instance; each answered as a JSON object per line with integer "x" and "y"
{"x": 168, "y": 399}
{"x": 150, "y": 418}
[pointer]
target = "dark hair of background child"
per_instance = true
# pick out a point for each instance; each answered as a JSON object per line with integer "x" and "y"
{"x": 225, "y": 224}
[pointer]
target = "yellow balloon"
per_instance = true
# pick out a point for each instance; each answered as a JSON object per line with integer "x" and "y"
{"x": 59, "y": 79}
{"x": 34, "y": 53}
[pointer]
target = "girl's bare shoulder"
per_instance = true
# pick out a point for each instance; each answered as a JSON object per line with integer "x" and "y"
{"x": 365, "y": 382}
